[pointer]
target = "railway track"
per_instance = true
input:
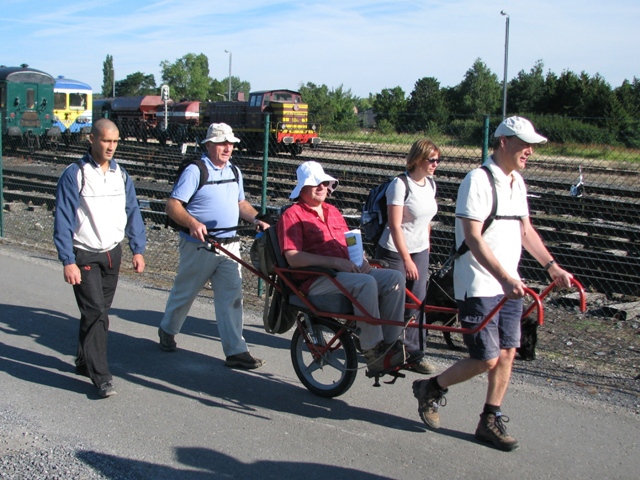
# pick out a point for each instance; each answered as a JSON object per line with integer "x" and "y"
{"x": 595, "y": 236}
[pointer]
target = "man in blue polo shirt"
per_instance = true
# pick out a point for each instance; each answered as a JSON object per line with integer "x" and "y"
{"x": 217, "y": 204}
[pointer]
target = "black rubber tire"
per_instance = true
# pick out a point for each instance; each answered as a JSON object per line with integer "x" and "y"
{"x": 333, "y": 373}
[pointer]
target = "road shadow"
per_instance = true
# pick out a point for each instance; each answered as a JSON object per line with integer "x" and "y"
{"x": 208, "y": 464}
{"x": 202, "y": 378}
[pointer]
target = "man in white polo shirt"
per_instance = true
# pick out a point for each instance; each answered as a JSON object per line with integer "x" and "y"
{"x": 487, "y": 273}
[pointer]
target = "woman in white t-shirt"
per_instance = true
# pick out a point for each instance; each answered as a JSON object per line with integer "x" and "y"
{"x": 405, "y": 240}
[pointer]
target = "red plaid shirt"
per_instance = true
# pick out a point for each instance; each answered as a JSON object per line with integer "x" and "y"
{"x": 300, "y": 228}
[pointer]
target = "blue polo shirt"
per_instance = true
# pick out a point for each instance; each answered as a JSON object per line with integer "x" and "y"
{"x": 215, "y": 205}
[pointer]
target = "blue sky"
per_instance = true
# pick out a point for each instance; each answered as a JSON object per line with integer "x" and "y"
{"x": 363, "y": 45}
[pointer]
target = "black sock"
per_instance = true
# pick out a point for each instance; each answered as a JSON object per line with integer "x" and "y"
{"x": 491, "y": 408}
{"x": 436, "y": 384}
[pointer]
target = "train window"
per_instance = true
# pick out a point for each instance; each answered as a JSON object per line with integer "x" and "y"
{"x": 3, "y": 96}
{"x": 78, "y": 100}
{"x": 283, "y": 97}
{"x": 255, "y": 101}
{"x": 31, "y": 98}
{"x": 59, "y": 101}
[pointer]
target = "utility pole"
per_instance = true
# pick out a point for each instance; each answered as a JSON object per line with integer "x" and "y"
{"x": 506, "y": 62}
{"x": 229, "y": 92}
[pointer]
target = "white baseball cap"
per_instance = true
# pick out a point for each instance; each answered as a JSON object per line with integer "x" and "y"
{"x": 220, "y": 132}
{"x": 521, "y": 128}
{"x": 311, "y": 173}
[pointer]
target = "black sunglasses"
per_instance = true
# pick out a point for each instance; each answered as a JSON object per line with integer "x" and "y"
{"x": 434, "y": 160}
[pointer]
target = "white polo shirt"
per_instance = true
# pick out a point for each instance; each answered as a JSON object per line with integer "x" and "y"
{"x": 475, "y": 200}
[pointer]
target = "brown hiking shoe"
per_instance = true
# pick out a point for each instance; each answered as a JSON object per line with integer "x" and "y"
{"x": 423, "y": 366}
{"x": 429, "y": 400}
{"x": 384, "y": 357}
{"x": 492, "y": 429}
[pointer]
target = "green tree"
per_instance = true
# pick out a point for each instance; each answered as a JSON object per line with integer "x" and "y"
{"x": 217, "y": 90}
{"x": 317, "y": 97}
{"x": 426, "y": 105}
{"x": 480, "y": 92}
{"x": 628, "y": 95}
{"x": 389, "y": 106}
{"x": 333, "y": 109}
{"x": 526, "y": 92}
{"x": 107, "y": 77}
{"x": 237, "y": 86}
{"x": 188, "y": 77}
{"x": 579, "y": 95}
{"x": 363, "y": 104}
{"x": 136, "y": 84}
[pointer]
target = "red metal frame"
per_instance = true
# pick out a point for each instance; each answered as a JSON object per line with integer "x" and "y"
{"x": 284, "y": 274}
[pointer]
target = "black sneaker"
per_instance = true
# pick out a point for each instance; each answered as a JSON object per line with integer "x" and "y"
{"x": 429, "y": 400}
{"x": 167, "y": 342}
{"x": 106, "y": 390}
{"x": 243, "y": 360}
{"x": 492, "y": 429}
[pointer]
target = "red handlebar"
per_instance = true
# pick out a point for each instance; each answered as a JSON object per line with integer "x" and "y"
{"x": 552, "y": 285}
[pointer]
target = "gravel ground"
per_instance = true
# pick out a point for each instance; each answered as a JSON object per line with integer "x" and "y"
{"x": 25, "y": 453}
{"x": 587, "y": 357}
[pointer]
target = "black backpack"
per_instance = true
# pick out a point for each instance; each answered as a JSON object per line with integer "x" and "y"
{"x": 374, "y": 210}
{"x": 204, "y": 180}
{"x": 278, "y": 316}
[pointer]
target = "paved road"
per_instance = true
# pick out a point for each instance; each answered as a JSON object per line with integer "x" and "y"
{"x": 185, "y": 415}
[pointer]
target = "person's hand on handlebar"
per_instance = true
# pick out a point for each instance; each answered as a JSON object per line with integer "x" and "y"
{"x": 261, "y": 226}
{"x": 198, "y": 230}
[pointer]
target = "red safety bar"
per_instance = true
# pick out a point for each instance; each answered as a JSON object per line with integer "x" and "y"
{"x": 285, "y": 273}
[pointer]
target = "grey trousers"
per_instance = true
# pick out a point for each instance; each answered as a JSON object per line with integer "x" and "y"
{"x": 197, "y": 265}
{"x": 380, "y": 292}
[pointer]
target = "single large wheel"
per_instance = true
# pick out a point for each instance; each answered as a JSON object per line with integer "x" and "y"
{"x": 327, "y": 366}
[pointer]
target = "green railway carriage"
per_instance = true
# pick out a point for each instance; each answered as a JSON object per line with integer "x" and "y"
{"x": 26, "y": 106}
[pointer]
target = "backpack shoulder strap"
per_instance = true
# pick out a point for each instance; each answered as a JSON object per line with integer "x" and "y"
{"x": 124, "y": 174}
{"x": 236, "y": 177}
{"x": 204, "y": 173}
{"x": 433, "y": 184}
{"x": 464, "y": 248}
{"x": 407, "y": 190}
{"x": 494, "y": 195}
{"x": 81, "y": 165}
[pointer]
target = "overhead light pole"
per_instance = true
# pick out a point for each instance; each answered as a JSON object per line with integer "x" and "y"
{"x": 506, "y": 62}
{"x": 229, "y": 92}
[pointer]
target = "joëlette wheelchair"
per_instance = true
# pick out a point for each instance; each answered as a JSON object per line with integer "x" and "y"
{"x": 323, "y": 344}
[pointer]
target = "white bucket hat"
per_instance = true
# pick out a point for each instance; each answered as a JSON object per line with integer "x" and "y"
{"x": 220, "y": 132}
{"x": 311, "y": 173}
{"x": 521, "y": 128}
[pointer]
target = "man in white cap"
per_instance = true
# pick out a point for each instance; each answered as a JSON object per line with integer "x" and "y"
{"x": 217, "y": 204}
{"x": 487, "y": 273}
{"x": 311, "y": 233}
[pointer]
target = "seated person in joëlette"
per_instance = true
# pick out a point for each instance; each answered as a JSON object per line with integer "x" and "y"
{"x": 312, "y": 233}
